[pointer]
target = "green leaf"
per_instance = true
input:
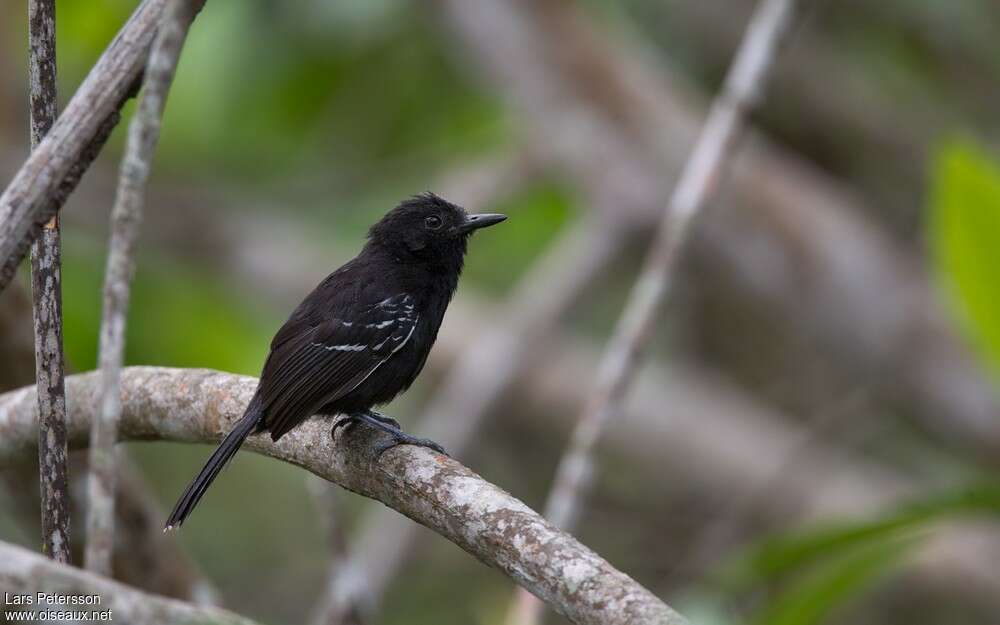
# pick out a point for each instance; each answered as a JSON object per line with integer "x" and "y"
{"x": 783, "y": 555}
{"x": 811, "y": 597}
{"x": 965, "y": 241}
{"x": 809, "y": 574}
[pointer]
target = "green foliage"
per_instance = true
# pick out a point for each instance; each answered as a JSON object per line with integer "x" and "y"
{"x": 179, "y": 316}
{"x": 324, "y": 92}
{"x": 780, "y": 555}
{"x": 965, "y": 240}
{"x": 83, "y": 31}
{"x": 809, "y": 575}
{"x": 267, "y": 91}
{"x": 842, "y": 576}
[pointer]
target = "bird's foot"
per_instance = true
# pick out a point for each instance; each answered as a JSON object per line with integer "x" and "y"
{"x": 390, "y": 426}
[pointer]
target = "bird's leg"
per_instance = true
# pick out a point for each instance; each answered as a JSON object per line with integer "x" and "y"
{"x": 378, "y": 416}
{"x": 390, "y": 426}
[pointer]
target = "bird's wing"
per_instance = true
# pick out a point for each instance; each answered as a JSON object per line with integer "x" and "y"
{"x": 328, "y": 360}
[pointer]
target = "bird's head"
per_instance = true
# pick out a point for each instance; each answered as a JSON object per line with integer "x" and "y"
{"x": 427, "y": 227}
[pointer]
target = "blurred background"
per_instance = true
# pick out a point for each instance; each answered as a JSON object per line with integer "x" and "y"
{"x": 816, "y": 436}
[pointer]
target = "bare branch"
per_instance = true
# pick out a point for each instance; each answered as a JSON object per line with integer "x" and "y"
{"x": 50, "y": 174}
{"x": 144, "y": 131}
{"x": 144, "y": 557}
{"x": 438, "y": 492}
{"x": 341, "y": 608}
{"x": 743, "y": 87}
{"x": 46, "y": 287}
{"x": 41, "y": 67}
{"x": 22, "y": 571}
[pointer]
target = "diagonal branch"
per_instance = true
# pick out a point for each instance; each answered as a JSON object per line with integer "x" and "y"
{"x": 621, "y": 358}
{"x": 743, "y": 87}
{"x": 341, "y": 604}
{"x": 25, "y": 572}
{"x": 144, "y": 132}
{"x": 144, "y": 557}
{"x": 50, "y": 174}
{"x": 200, "y": 406}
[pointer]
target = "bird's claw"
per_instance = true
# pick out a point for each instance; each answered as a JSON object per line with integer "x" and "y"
{"x": 391, "y": 427}
{"x": 401, "y": 438}
{"x": 347, "y": 423}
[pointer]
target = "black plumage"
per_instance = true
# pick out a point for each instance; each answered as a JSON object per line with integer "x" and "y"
{"x": 362, "y": 336}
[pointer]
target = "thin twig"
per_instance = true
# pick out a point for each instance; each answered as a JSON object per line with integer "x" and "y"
{"x": 188, "y": 405}
{"x": 622, "y": 355}
{"x": 743, "y": 87}
{"x": 24, "y": 572}
{"x": 144, "y": 131}
{"x": 483, "y": 372}
{"x": 338, "y": 609}
{"x": 144, "y": 556}
{"x": 46, "y": 288}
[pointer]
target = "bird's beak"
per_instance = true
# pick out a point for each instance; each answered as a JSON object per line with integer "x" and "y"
{"x": 481, "y": 220}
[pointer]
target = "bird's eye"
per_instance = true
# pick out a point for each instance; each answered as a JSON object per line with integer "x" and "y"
{"x": 433, "y": 222}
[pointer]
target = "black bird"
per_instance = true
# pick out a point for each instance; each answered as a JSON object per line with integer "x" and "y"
{"x": 361, "y": 337}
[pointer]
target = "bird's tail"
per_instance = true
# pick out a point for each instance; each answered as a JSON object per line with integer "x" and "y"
{"x": 220, "y": 457}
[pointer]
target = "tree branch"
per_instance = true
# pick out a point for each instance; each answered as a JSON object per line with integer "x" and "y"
{"x": 621, "y": 358}
{"x": 144, "y": 557}
{"x": 23, "y": 571}
{"x": 46, "y": 288}
{"x": 41, "y": 68}
{"x": 52, "y": 171}
{"x": 344, "y": 600}
{"x": 200, "y": 406}
{"x": 144, "y": 132}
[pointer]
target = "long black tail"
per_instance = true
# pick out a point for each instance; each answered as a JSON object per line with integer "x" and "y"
{"x": 220, "y": 457}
